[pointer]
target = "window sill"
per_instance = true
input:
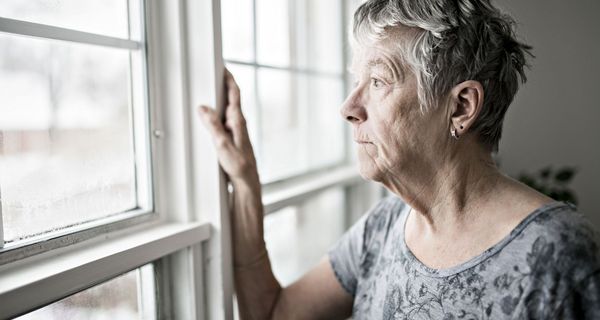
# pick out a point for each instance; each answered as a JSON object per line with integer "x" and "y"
{"x": 43, "y": 279}
{"x": 279, "y": 195}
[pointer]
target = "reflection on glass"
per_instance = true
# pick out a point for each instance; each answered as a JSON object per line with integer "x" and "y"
{"x": 298, "y": 237}
{"x": 116, "y": 299}
{"x": 106, "y": 17}
{"x": 66, "y": 150}
{"x": 237, "y": 24}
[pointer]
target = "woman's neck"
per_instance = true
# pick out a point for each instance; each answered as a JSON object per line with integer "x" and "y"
{"x": 461, "y": 205}
{"x": 448, "y": 191}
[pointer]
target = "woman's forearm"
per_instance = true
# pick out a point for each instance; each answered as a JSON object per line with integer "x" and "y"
{"x": 247, "y": 221}
{"x": 256, "y": 287}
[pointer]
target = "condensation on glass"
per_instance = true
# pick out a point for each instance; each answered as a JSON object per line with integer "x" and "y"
{"x": 129, "y": 296}
{"x": 298, "y": 237}
{"x": 69, "y": 145}
{"x": 291, "y": 79}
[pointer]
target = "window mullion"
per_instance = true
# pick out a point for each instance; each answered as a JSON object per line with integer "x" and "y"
{"x": 307, "y": 71}
{"x": 57, "y": 33}
{"x": 147, "y": 292}
{"x": 286, "y": 193}
{"x": 203, "y": 77}
{"x": 1, "y": 220}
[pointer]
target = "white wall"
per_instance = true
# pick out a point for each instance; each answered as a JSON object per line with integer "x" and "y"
{"x": 555, "y": 118}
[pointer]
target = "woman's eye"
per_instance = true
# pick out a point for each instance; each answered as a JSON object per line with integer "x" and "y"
{"x": 376, "y": 83}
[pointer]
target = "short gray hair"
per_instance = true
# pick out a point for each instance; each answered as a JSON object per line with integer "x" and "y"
{"x": 456, "y": 41}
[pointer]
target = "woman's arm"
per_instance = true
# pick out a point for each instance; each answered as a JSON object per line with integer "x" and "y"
{"x": 317, "y": 295}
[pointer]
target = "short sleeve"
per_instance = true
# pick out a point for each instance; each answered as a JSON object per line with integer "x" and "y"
{"x": 346, "y": 254}
{"x": 584, "y": 301}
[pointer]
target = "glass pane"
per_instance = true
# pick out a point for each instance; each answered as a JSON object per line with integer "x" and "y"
{"x": 325, "y": 128}
{"x": 106, "y": 17}
{"x": 300, "y": 125}
{"x": 298, "y": 237}
{"x": 319, "y": 36}
{"x": 283, "y": 148}
{"x": 307, "y": 35}
{"x": 273, "y": 32}
{"x": 237, "y": 22}
{"x": 66, "y": 145}
{"x": 296, "y": 125}
{"x": 115, "y": 299}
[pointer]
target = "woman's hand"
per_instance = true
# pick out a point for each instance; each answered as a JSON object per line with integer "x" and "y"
{"x": 259, "y": 294}
{"x": 231, "y": 139}
{"x": 236, "y": 157}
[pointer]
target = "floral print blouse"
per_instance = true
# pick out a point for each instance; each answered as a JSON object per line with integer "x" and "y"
{"x": 547, "y": 268}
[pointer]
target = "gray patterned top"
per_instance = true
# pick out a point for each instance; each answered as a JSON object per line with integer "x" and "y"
{"x": 548, "y": 267}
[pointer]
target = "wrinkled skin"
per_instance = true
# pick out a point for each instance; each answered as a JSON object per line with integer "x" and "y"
{"x": 392, "y": 132}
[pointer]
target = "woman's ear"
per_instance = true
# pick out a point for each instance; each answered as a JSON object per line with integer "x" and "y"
{"x": 467, "y": 101}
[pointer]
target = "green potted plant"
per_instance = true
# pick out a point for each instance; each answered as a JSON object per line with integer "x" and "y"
{"x": 552, "y": 182}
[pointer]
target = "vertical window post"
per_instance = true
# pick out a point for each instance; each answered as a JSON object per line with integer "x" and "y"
{"x": 204, "y": 70}
{"x": 1, "y": 221}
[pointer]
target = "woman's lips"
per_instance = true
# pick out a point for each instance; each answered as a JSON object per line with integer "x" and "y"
{"x": 363, "y": 142}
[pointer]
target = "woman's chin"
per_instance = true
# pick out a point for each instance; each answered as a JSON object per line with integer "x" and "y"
{"x": 367, "y": 166}
{"x": 369, "y": 172}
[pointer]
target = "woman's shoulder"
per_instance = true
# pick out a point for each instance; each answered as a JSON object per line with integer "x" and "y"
{"x": 566, "y": 238}
{"x": 387, "y": 211}
{"x": 382, "y": 216}
{"x": 563, "y": 223}
{"x": 389, "y": 204}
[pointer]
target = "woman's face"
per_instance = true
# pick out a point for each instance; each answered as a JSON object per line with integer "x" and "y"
{"x": 393, "y": 135}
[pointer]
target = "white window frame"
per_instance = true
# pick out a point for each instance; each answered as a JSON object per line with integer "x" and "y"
{"x": 187, "y": 236}
{"x": 293, "y": 6}
{"x": 298, "y": 188}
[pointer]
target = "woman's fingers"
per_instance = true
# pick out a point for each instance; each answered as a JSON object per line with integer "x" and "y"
{"x": 235, "y": 121}
{"x": 233, "y": 91}
{"x": 231, "y": 137}
{"x": 211, "y": 120}
{"x": 238, "y": 163}
{"x": 237, "y": 126}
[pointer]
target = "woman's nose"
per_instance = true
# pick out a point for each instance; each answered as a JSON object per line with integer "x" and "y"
{"x": 353, "y": 110}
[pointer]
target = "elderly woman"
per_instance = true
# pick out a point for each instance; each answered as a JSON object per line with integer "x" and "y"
{"x": 460, "y": 240}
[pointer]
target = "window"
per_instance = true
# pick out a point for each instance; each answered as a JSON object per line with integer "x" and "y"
{"x": 73, "y": 122}
{"x": 289, "y": 60}
{"x": 289, "y": 65}
{"x": 100, "y": 167}
{"x": 128, "y": 296}
{"x": 291, "y": 233}
{"x": 108, "y": 181}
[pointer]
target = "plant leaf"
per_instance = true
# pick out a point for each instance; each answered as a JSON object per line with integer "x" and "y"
{"x": 545, "y": 172}
{"x": 568, "y": 196}
{"x": 528, "y": 180}
{"x": 564, "y": 175}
